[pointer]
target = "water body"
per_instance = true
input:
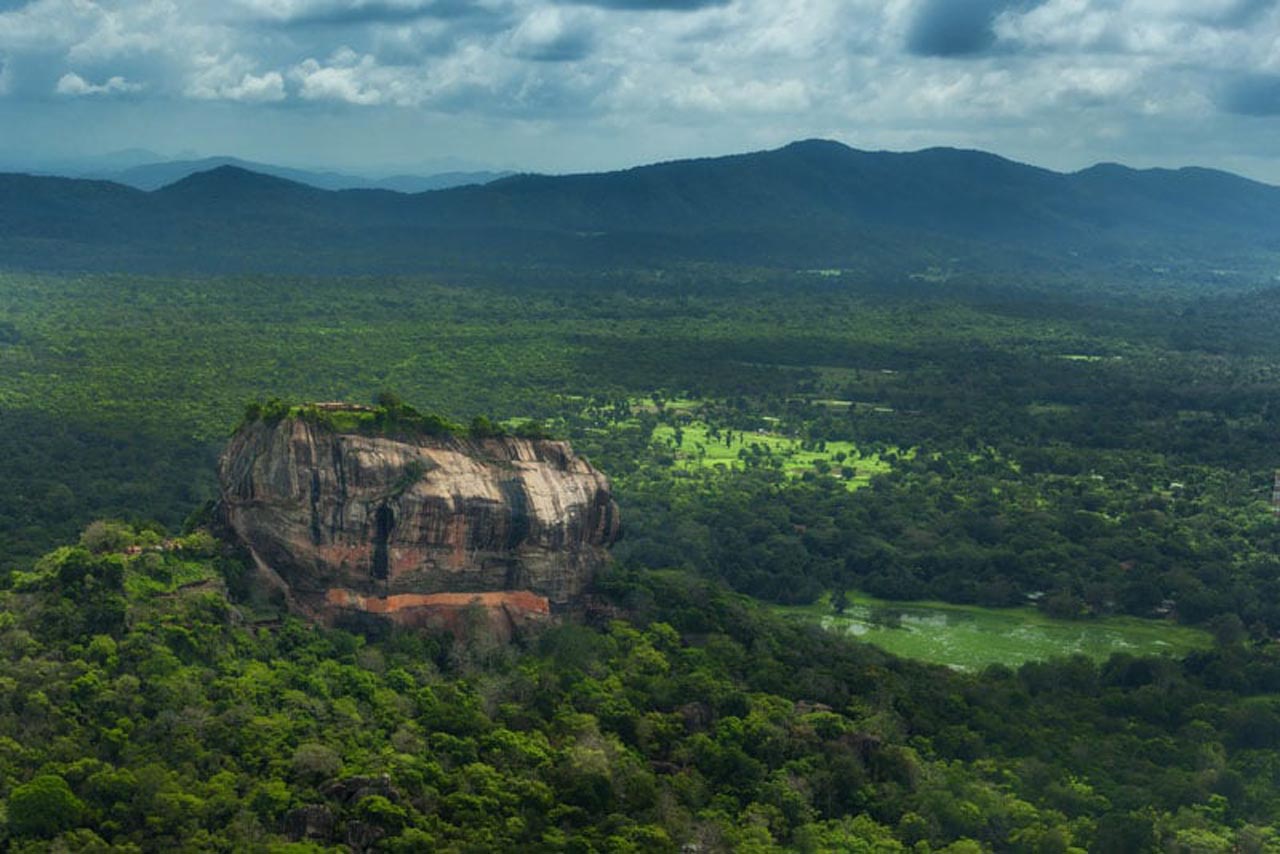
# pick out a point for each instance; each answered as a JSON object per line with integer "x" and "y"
{"x": 970, "y": 637}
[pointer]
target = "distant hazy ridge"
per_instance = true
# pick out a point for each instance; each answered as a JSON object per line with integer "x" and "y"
{"x": 812, "y": 204}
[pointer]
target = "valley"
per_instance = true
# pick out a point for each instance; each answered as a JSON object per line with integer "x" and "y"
{"x": 978, "y": 464}
{"x": 639, "y": 427}
{"x": 1044, "y": 496}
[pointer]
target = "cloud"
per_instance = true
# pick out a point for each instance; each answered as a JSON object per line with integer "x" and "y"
{"x": 752, "y": 96}
{"x": 341, "y": 13}
{"x": 233, "y": 80}
{"x": 1234, "y": 13}
{"x": 651, "y": 5}
{"x": 1048, "y": 80}
{"x": 48, "y": 23}
{"x": 953, "y": 28}
{"x": 347, "y": 77}
{"x": 1251, "y": 95}
{"x": 548, "y": 35}
{"x": 256, "y": 88}
{"x": 148, "y": 45}
{"x": 1222, "y": 33}
{"x": 75, "y": 85}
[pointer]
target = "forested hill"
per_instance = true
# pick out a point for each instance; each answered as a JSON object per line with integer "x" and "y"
{"x": 812, "y": 204}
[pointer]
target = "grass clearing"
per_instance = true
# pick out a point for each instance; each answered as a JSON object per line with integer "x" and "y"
{"x": 969, "y": 637}
{"x": 675, "y": 404}
{"x": 697, "y": 445}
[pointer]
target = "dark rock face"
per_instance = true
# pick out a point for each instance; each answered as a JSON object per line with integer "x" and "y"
{"x": 375, "y": 525}
{"x": 313, "y": 821}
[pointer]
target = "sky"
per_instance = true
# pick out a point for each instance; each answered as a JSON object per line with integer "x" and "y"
{"x": 379, "y": 86}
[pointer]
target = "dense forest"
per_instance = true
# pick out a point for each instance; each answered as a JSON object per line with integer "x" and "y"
{"x": 1104, "y": 452}
{"x": 145, "y": 711}
{"x": 772, "y": 438}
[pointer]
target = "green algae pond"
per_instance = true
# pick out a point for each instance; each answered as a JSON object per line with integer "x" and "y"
{"x": 970, "y": 637}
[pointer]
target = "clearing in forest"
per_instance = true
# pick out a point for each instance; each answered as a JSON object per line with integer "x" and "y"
{"x": 698, "y": 445}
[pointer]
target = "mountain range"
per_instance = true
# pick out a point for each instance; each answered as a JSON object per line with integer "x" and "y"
{"x": 810, "y": 204}
{"x": 153, "y": 176}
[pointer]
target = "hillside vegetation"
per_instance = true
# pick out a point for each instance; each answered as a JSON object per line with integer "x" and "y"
{"x": 145, "y": 711}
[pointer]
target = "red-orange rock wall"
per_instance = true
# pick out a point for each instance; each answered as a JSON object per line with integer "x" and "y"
{"x": 383, "y": 519}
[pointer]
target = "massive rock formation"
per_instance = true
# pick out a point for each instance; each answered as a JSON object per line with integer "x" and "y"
{"x": 417, "y": 530}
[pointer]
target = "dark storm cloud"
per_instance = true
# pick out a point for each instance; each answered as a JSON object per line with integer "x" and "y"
{"x": 650, "y": 5}
{"x": 957, "y": 27}
{"x": 1252, "y": 95}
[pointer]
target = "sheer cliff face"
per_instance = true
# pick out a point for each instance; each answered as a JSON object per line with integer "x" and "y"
{"x": 377, "y": 525}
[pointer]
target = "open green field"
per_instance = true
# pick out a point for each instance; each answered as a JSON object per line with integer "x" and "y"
{"x": 969, "y": 637}
{"x": 676, "y": 404}
{"x": 697, "y": 445}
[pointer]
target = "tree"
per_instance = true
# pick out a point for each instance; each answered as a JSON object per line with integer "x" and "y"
{"x": 44, "y": 807}
{"x": 107, "y": 536}
{"x": 314, "y": 763}
{"x": 1228, "y": 630}
{"x": 482, "y": 428}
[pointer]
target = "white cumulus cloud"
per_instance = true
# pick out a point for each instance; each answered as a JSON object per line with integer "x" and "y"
{"x": 351, "y": 78}
{"x": 75, "y": 85}
{"x": 232, "y": 79}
